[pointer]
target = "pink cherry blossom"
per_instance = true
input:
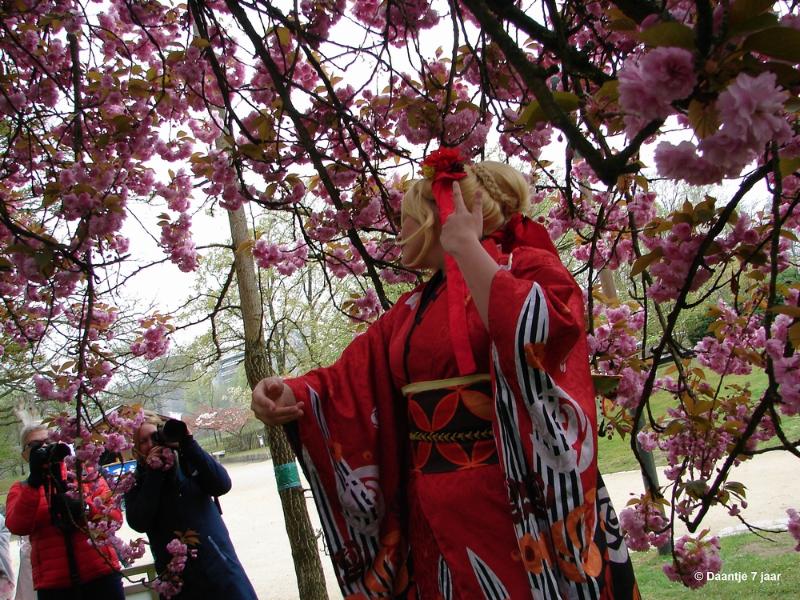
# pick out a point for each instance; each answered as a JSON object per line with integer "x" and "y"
{"x": 794, "y": 526}
{"x": 694, "y": 556}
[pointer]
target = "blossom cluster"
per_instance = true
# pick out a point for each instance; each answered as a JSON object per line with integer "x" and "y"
{"x": 644, "y": 525}
{"x": 786, "y": 365}
{"x": 612, "y": 345}
{"x": 161, "y": 458}
{"x": 154, "y": 341}
{"x": 751, "y": 110}
{"x": 735, "y": 335}
{"x": 285, "y": 258}
{"x": 694, "y": 559}
{"x": 794, "y": 525}
{"x": 649, "y": 86}
{"x": 169, "y": 583}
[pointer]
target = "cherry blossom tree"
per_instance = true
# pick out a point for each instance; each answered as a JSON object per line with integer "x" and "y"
{"x": 321, "y": 112}
{"x": 231, "y": 419}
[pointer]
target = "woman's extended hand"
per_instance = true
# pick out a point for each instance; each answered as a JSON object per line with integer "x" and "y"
{"x": 463, "y": 228}
{"x": 274, "y": 402}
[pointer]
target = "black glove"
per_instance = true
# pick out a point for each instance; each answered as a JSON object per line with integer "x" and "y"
{"x": 37, "y": 463}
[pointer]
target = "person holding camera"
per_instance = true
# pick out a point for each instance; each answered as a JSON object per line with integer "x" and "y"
{"x": 66, "y": 564}
{"x": 175, "y": 491}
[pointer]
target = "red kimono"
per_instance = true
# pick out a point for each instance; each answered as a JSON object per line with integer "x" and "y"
{"x": 479, "y": 488}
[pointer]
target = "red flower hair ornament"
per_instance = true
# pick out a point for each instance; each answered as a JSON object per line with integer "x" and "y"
{"x": 443, "y": 160}
{"x": 444, "y": 167}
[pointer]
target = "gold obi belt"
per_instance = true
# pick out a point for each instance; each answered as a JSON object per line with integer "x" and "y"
{"x": 450, "y": 424}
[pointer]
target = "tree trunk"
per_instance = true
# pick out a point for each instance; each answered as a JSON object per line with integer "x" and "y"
{"x": 307, "y": 565}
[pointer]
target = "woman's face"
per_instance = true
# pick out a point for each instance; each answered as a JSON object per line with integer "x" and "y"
{"x": 432, "y": 259}
{"x": 410, "y": 249}
{"x": 145, "y": 444}
{"x": 33, "y": 438}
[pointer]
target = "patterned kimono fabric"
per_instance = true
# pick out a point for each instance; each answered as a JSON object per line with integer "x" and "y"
{"x": 431, "y": 485}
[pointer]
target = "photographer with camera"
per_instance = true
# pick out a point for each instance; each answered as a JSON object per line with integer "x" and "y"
{"x": 66, "y": 564}
{"x": 177, "y": 483}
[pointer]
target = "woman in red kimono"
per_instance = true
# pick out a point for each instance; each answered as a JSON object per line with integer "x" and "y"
{"x": 452, "y": 447}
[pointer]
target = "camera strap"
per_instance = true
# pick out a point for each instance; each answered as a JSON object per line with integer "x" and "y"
{"x": 74, "y": 574}
{"x": 55, "y": 494}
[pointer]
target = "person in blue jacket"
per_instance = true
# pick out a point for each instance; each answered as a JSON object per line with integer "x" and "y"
{"x": 176, "y": 488}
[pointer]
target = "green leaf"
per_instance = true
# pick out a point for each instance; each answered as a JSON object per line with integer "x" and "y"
{"x": 52, "y": 193}
{"x": 44, "y": 261}
{"x": 284, "y": 35}
{"x": 619, "y": 21}
{"x": 787, "y": 75}
{"x": 787, "y": 166}
{"x": 645, "y": 261}
{"x": 792, "y": 311}
{"x": 245, "y": 246}
{"x": 704, "y": 211}
{"x": 744, "y": 10}
{"x": 122, "y": 123}
{"x": 789, "y": 235}
{"x": 782, "y": 43}
{"x": 756, "y": 23}
{"x": 696, "y": 488}
{"x": 704, "y": 118}
{"x": 794, "y": 335}
{"x": 736, "y": 487}
{"x": 252, "y": 151}
{"x": 608, "y": 92}
{"x": 605, "y": 384}
{"x": 533, "y": 113}
{"x": 669, "y": 33}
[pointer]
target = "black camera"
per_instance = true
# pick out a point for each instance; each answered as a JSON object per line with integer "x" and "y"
{"x": 66, "y": 513}
{"x": 50, "y": 453}
{"x": 173, "y": 431}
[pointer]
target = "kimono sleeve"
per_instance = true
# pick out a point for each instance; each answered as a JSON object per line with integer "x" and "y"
{"x": 546, "y": 418}
{"x": 349, "y": 444}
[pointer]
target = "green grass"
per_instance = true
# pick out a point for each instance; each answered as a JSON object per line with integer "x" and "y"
{"x": 615, "y": 454}
{"x": 745, "y": 554}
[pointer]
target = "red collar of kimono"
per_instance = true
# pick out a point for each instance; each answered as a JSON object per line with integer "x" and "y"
{"x": 519, "y": 231}
{"x": 445, "y": 166}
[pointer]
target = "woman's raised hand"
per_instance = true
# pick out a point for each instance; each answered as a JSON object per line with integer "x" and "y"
{"x": 274, "y": 402}
{"x": 463, "y": 227}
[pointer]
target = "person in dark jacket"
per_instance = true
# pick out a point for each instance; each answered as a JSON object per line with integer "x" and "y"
{"x": 60, "y": 571}
{"x": 175, "y": 490}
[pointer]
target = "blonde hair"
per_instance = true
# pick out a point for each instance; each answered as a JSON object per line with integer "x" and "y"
{"x": 28, "y": 430}
{"x": 150, "y": 418}
{"x": 505, "y": 193}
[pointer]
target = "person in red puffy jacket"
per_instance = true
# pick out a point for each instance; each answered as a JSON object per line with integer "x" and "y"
{"x": 66, "y": 564}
